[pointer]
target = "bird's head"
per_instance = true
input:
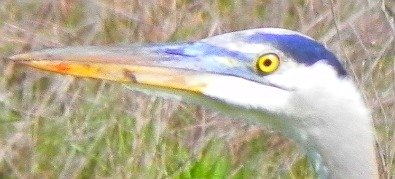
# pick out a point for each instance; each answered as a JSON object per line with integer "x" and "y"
{"x": 276, "y": 77}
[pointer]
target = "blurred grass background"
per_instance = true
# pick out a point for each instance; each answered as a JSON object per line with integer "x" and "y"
{"x": 58, "y": 126}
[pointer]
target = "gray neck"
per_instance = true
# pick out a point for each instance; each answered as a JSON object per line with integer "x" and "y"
{"x": 343, "y": 152}
{"x": 337, "y": 133}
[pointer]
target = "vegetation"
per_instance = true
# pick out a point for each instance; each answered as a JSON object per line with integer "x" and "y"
{"x": 59, "y": 126}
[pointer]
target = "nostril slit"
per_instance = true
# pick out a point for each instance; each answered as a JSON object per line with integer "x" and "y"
{"x": 129, "y": 74}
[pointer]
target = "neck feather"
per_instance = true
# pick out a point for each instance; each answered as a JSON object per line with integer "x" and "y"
{"x": 335, "y": 128}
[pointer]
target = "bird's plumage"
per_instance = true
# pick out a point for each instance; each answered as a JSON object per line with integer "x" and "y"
{"x": 308, "y": 96}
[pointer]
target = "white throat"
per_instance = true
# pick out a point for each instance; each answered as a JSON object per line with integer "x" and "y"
{"x": 326, "y": 112}
{"x": 341, "y": 132}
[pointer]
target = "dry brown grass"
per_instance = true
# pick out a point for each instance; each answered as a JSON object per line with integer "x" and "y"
{"x": 58, "y": 126}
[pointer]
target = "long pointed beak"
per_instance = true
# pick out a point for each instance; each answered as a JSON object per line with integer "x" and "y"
{"x": 157, "y": 66}
{"x": 224, "y": 78}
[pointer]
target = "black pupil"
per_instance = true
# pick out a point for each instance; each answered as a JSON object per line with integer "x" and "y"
{"x": 267, "y": 62}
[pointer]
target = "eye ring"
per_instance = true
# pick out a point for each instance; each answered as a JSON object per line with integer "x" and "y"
{"x": 268, "y": 63}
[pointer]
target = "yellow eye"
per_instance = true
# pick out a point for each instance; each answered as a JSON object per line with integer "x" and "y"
{"x": 268, "y": 63}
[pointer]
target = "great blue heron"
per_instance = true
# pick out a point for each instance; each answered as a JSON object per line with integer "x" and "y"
{"x": 273, "y": 77}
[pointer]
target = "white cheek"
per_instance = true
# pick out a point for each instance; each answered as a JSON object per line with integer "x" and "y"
{"x": 302, "y": 77}
{"x": 246, "y": 93}
{"x": 319, "y": 91}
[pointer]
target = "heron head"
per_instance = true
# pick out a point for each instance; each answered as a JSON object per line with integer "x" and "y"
{"x": 276, "y": 77}
{"x": 259, "y": 69}
{"x": 276, "y": 61}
